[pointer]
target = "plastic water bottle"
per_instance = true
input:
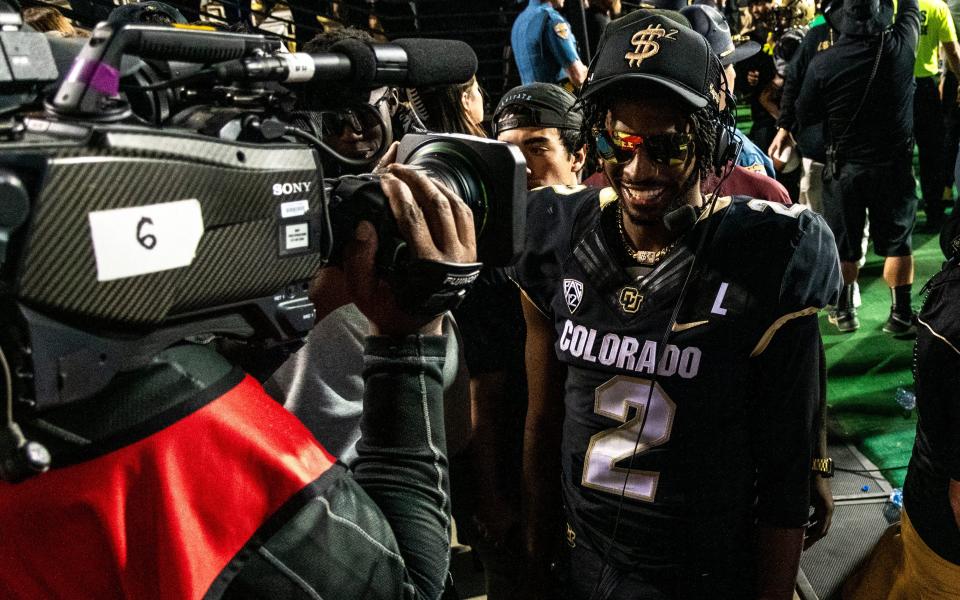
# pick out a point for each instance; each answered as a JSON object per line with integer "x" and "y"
{"x": 907, "y": 401}
{"x": 896, "y": 497}
{"x": 895, "y": 504}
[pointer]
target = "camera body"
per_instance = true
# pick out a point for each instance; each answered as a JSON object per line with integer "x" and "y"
{"x": 132, "y": 231}
{"x": 119, "y": 239}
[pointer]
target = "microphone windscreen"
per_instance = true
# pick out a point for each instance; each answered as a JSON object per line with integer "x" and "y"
{"x": 435, "y": 62}
{"x": 363, "y": 61}
{"x": 680, "y": 220}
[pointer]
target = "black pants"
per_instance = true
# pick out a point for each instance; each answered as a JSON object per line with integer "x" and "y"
{"x": 886, "y": 190}
{"x": 929, "y": 132}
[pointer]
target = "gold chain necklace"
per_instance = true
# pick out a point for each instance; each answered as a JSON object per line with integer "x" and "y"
{"x": 644, "y": 257}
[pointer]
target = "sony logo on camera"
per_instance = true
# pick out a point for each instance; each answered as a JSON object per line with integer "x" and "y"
{"x": 283, "y": 189}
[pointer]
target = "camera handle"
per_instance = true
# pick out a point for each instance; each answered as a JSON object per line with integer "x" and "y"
{"x": 20, "y": 458}
{"x": 92, "y": 88}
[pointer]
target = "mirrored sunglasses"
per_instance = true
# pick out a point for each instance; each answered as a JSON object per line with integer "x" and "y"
{"x": 669, "y": 149}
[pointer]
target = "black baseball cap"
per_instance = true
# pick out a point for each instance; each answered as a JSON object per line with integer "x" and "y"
{"x": 651, "y": 48}
{"x": 537, "y": 105}
{"x": 709, "y": 22}
{"x": 863, "y": 18}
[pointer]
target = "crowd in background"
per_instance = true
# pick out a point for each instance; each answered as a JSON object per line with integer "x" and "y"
{"x": 814, "y": 139}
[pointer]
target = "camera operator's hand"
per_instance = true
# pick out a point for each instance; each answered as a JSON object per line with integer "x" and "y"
{"x": 436, "y": 224}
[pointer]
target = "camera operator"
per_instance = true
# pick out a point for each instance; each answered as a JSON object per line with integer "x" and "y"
{"x": 322, "y": 383}
{"x": 363, "y": 126}
{"x": 185, "y": 480}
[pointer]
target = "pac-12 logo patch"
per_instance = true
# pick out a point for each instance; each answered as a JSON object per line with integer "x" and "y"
{"x": 572, "y": 293}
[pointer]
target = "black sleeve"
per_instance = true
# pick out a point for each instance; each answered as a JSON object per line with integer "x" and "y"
{"x": 402, "y": 453}
{"x": 937, "y": 372}
{"x": 552, "y": 216}
{"x": 906, "y": 26}
{"x": 941, "y": 384}
{"x": 383, "y": 533}
{"x": 812, "y": 276}
{"x": 789, "y": 372}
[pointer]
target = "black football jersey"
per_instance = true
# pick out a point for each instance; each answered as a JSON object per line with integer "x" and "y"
{"x": 703, "y": 429}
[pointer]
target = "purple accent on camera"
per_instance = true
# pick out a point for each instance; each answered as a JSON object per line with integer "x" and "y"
{"x": 106, "y": 80}
{"x": 100, "y": 76}
{"x": 80, "y": 71}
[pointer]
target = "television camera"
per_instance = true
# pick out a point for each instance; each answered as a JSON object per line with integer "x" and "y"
{"x": 166, "y": 189}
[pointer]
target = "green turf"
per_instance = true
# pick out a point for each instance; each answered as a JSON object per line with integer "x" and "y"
{"x": 865, "y": 368}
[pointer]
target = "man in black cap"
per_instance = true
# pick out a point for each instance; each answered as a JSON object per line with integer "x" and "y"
{"x": 681, "y": 333}
{"x": 863, "y": 90}
{"x": 541, "y": 119}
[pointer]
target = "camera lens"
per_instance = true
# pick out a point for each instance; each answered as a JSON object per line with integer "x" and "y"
{"x": 453, "y": 167}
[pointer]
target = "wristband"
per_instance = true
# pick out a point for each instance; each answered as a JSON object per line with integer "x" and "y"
{"x": 429, "y": 287}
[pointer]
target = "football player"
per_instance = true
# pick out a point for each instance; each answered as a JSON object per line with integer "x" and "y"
{"x": 673, "y": 355}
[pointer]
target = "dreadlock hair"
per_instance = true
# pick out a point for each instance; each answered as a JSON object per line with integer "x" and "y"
{"x": 705, "y": 123}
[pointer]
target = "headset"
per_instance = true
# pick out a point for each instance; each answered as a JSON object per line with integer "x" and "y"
{"x": 728, "y": 145}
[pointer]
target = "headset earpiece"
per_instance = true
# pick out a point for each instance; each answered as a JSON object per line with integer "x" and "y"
{"x": 727, "y": 148}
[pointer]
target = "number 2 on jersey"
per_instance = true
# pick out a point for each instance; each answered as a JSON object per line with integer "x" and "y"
{"x": 653, "y": 422}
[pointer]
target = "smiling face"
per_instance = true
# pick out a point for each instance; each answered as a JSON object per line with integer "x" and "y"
{"x": 648, "y": 189}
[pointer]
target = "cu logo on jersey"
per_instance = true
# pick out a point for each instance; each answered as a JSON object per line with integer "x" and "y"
{"x": 630, "y": 299}
{"x": 572, "y": 293}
